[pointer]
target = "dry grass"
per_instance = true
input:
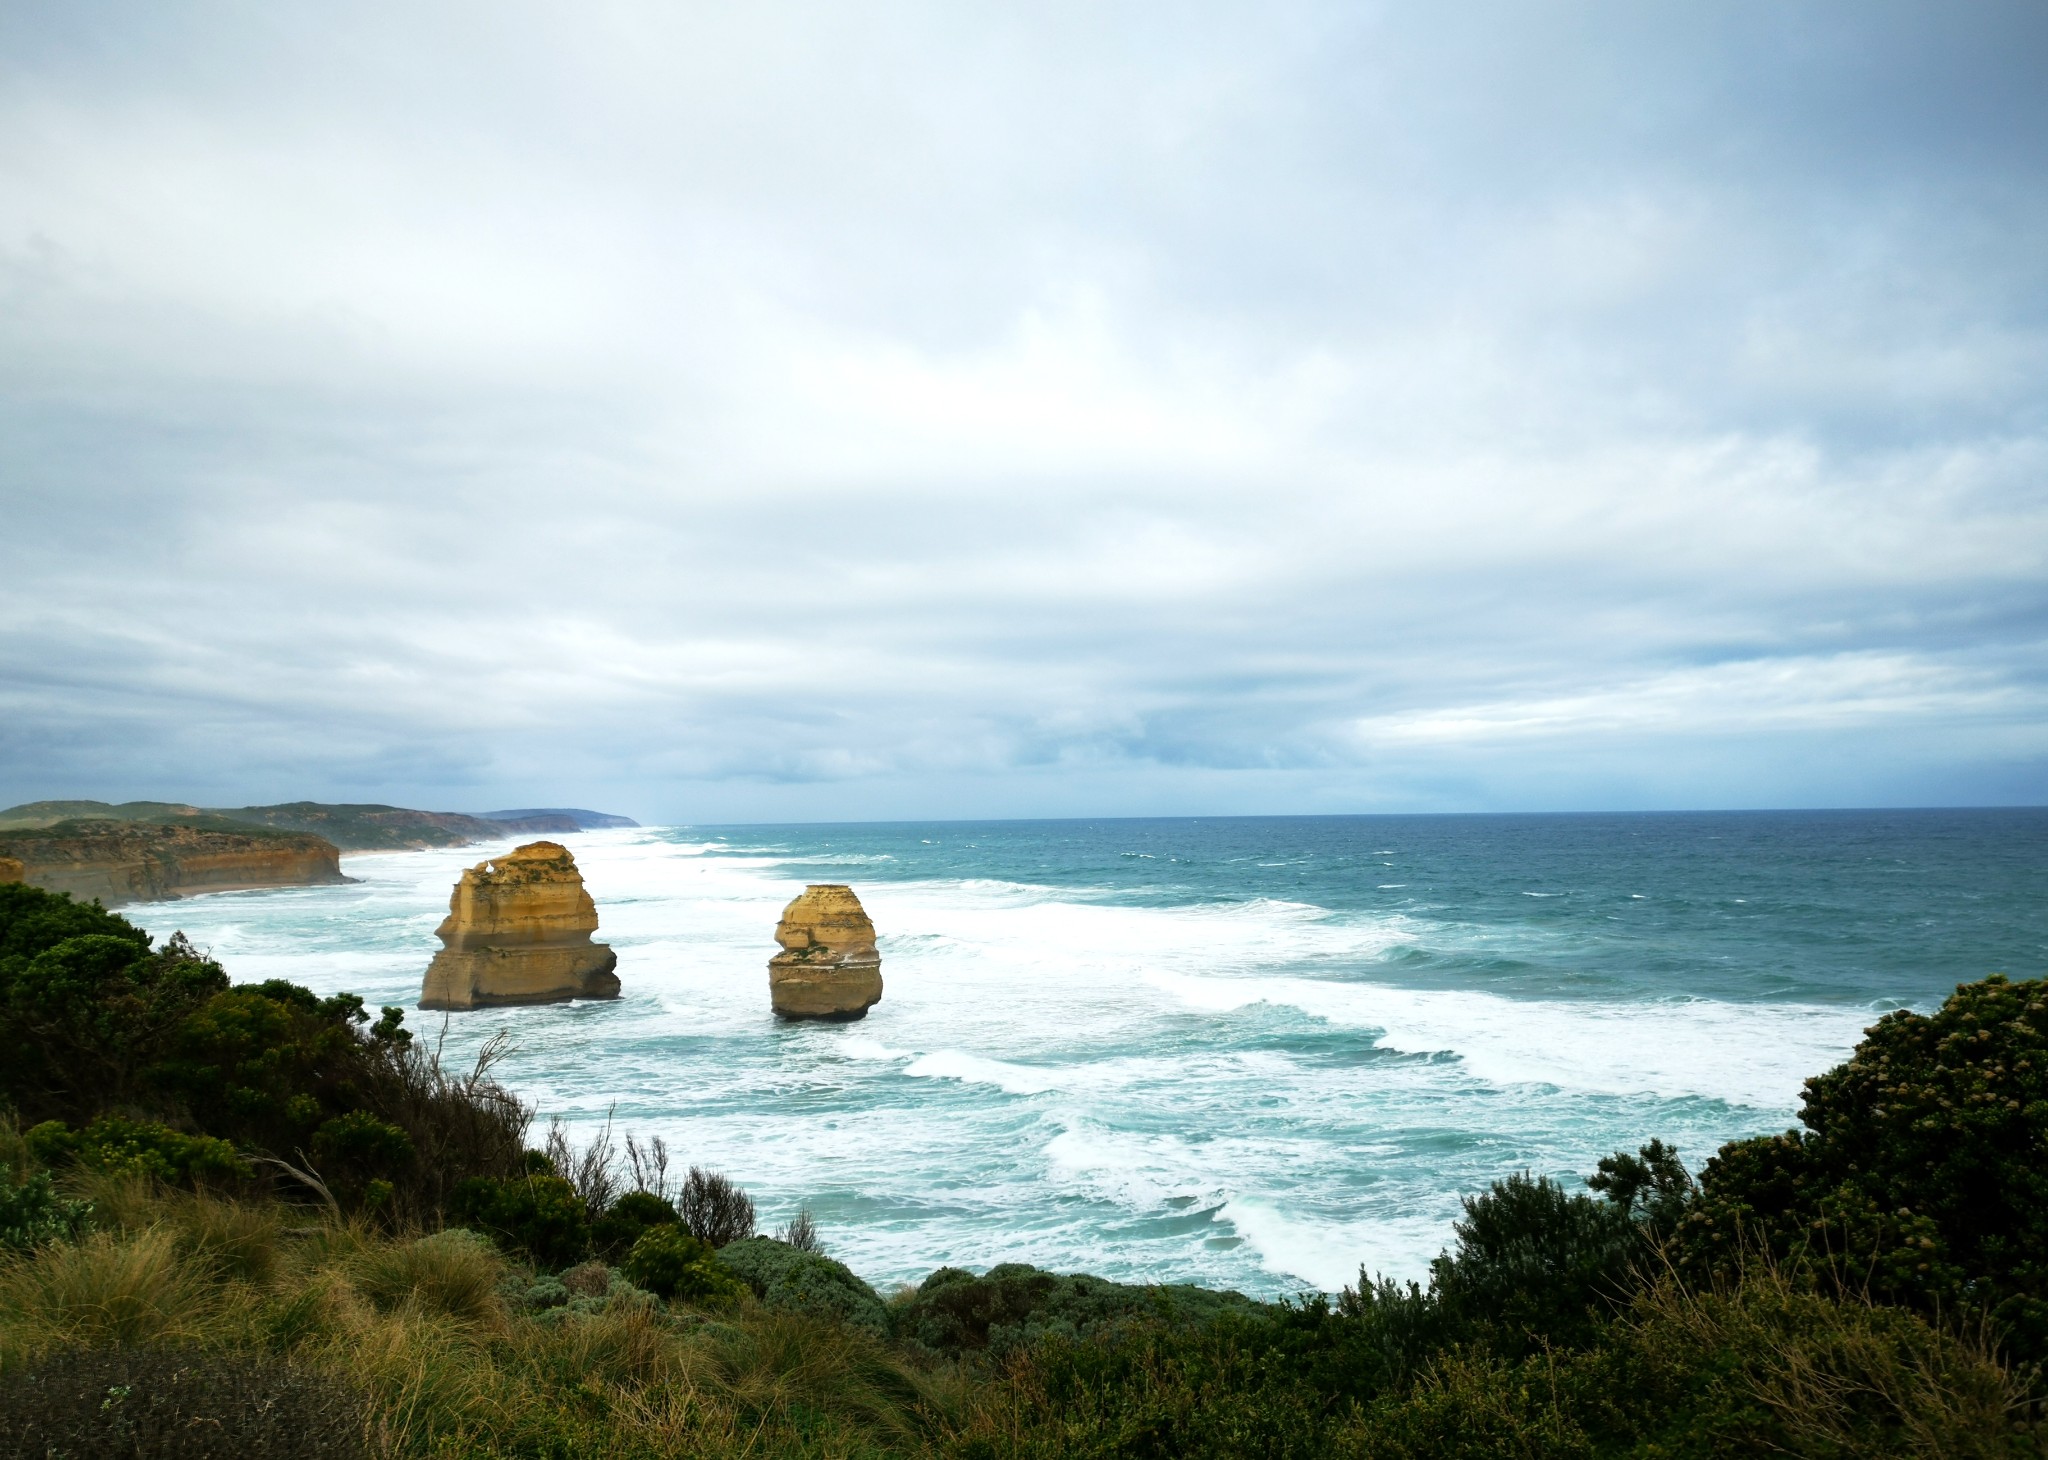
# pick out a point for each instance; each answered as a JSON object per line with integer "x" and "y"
{"x": 417, "y": 1327}
{"x": 453, "y": 1274}
{"x": 1836, "y": 1375}
{"x": 109, "y": 1289}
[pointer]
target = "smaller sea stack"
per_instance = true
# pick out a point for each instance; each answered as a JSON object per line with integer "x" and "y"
{"x": 518, "y": 932}
{"x": 828, "y": 967}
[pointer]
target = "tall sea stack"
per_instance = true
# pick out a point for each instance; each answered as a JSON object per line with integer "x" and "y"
{"x": 518, "y": 932}
{"x": 828, "y": 967}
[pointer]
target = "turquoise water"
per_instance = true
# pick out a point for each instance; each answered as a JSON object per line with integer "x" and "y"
{"x": 1250, "y": 1052}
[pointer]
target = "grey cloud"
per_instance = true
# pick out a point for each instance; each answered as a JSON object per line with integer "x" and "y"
{"x": 791, "y": 410}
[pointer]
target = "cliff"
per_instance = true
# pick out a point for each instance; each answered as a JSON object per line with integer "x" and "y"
{"x": 357, "y": 827}
{"x": 124, "y": 861}
{"x": 518, "y": 932}
{"x": 828, "y": 967}
{"x": 11, "y": 870}
{"x": 583, "y": 820}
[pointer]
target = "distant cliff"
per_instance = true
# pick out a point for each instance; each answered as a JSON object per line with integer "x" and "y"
{"x": 352, "y": 828}
{"x": 585, "y": 820}
{"x": 141, "y": 861}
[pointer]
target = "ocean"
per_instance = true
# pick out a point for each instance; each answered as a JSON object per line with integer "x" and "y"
{"x": 1253, "y": 1053}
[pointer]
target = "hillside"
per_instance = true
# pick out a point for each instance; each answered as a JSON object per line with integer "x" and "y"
{"x": 368, "y": 827}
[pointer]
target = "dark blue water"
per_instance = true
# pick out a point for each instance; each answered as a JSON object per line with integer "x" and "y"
{"x": 1861, "y": 907}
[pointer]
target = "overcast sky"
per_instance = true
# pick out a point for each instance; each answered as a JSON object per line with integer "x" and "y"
{"x": 782, "y": 412}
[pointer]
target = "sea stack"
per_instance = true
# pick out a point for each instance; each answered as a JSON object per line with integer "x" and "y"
{"x": 828, "y": 967}
{"x": 518, "y": 932}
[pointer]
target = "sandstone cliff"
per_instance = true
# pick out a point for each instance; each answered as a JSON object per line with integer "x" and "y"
{"x": 518, "y": 932}
{"x": 353, "y": 828}
{"x": 121, "y": 862}
{"x": 828, "y": 967}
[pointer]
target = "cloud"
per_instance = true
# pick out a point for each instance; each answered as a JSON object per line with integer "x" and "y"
{"x": 804, "y": 412}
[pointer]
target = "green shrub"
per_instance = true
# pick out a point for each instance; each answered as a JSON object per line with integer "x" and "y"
{"x": 541, "y": 1216}
{"x": 32, "y": 920}
{"x": 32, "y": 1213}
{"x": 1919, "y": 1171}
{"x": 1535, "y": 1266}
{"x": 792, "y": 1280}
{"x": 954, "y": 1311}
{"x": 673, "y": 1265}
{"x": 614, "y": 1233}
{"x": 143, "y": 1148}
{"x": 86, "y": 1018}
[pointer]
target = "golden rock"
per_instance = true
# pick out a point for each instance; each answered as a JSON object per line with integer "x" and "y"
{"x": 518, "y": 932}
{"x": 828, "y": 967}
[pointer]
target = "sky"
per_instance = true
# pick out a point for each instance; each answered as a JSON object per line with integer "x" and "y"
{"x": 785, "y": 412}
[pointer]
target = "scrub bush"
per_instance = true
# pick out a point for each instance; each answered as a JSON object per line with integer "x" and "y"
{"x": 142, "y": 1148}
{"x": 614, "y": 1233}
{"x": 954, "y": 1311}
{"x": 540, "y": 1216}
{"x": 677, "y": 1267}
{"x": 714, "y": 1210}
{"x": 794, "y": 1281}
{"x": 1535, "y": 1266}
{"x": 1921, "y": 1175}
{"x": 97, "y": 1025}
{"x": 32, "y": 1213}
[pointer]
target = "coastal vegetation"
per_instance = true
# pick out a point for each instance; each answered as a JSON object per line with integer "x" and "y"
{"x": 352, "y": 827}
{"x": 248, "y": 1220}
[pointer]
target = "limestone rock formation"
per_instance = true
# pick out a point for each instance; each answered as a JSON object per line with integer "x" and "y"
{"x": 518, "y": 932}
{"x": 121, "y": 862}
{"x": 828, "y": 967}
{"x": 13, "y": 869}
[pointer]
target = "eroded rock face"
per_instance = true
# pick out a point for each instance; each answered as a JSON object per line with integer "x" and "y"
{"x": 828, "y": 967}
{"x": 120, "y": 862}
{"x": 518, "y": 932}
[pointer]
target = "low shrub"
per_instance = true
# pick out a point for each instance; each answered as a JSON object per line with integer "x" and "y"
{"x": 32, "y": 1213}
{"x": 139, "y": 1405}
{"x": 614, "y": 1233}
{"x": 1535, "y": 1266}
{"x": 540, "y": 1216}
{"x": 954, "y": 1311}
{"x": 677, "y": 1267}
{"x": 792, "y": 1280}
{"x": 142, "y": 1147}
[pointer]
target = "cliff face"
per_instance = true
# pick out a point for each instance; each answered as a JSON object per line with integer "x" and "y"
{"x": 353, "y": 828}
{"x": 12, "y": 870}
{"x": 518, "y": 932}
{"x": 121, "y": 862}
{"x": 828, "y": 967}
